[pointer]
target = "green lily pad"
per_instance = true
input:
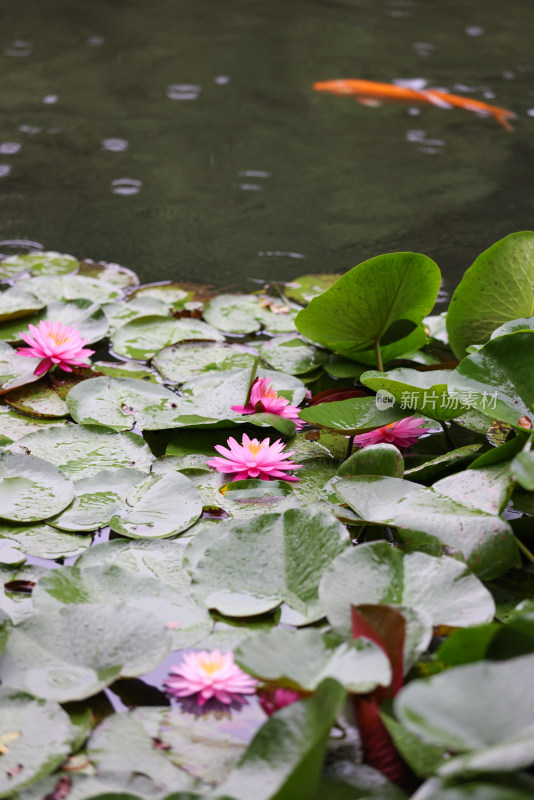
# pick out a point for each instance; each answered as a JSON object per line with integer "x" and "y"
{"x": 14, "y": 425}
{"x": 523, "y": 470}
{"x": 119, "y": 314}
{"x": 482, "y": 712}
{"x": 172, "y": 295}
{"x": 15, "y": 370}
{"x": 36, "y": 737}
{"x": 357, "y": 415}
{"x": 498, "y": 379}
{"x": 186, "y": 360}
{"x": 419, "y": 392}
{"x": 246, "y": 313}
{"x": 301, "y": 659}
{"x": 523, "y": 324}
{"x": 83, "y": 315}
{"x": 40, "y": 399}
{"x": 72, "y": 287}
{"x": 377, "y": 459}
{"x": 109, "y": 273}
{"x": 110, "y": 584}
{"x": 441, "y": 587}
{"x": 47, "y": 263}
{"x": 124, "y": 743}
{"x": 125, "y": 369}
{"x": 72, "y": 652}
{"x": 42, "y": 541}
{"x": 98, "y": 498}
{"x": 437, "y": 789}
{"x": 306, "y": 287}
{"x": 143, "y": 337}
{"x": 340, "y": 367}
{"x": 254, "y": 565}
{"x": 291, "y": 353}
{"x": 494, "y": 290}
{"x": 121, "y": 403}
{"x": 15, "y": 303}
{"x": 81, "y": 452}
{"x": 31, "y": 489}
{"x": 371, "y": 303}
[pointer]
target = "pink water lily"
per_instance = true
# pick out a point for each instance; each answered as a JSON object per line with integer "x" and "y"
{"x": 402, "y": 433}
{"x": 210, "y": 674}
{"x": 264, "y": 398}
{"x": 55, "y": 344}
{"x": 254, "y": 459}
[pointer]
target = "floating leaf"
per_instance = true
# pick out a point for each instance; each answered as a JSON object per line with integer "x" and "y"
{"x": 357, "y": 415}
{"x": 15, "y": 303}
{"x": 493, "y": 291}
{"x": 186, "y": 360}
{"x": 442, "y": 587}
{"x": 306, "y": 287}
{"x": 254, "y": 565}
{"x": 42, "y": 541}
{"x": 35, "y": 737}
{"x": 15, "y": 370}
{"x": 499, "y": 378}
{"x": 14, "y": 425}
{"x": 43, "y": 263}
{"x": 144, "y": 337}
{"x": 72, "y": 287}
{"x": 31, "y": 489}
{"x": 109, "y": 273}
{"x": 80, "y": 452}
{"x": 84, "y": 315}
{"x": 301, "y": 659}
{"x": 359, "y": 309}
{"x": 246, "y": 313}
{"x": 291, "y": 353}
{"x": 118, "y": 314}
{"x": 40, "y": 399}
{"x": 419, "y": 392}
{"x": 376, "y": 459}
{"x": 72, "y": 652}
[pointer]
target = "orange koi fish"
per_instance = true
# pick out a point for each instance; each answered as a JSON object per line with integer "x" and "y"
{"x": 370, "y": 93}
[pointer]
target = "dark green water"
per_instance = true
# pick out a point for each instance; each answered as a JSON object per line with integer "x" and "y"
{"x": 181, "y": 137}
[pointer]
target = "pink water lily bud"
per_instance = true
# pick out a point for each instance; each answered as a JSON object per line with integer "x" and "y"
{"x": 210, "y": 674}
{"x": 402, "y": 433}
{"x": 55, "y": 344}
{"x": 254, "y": 459}
{"x": 272, "y": 700}
{"x": 264, "y": 398}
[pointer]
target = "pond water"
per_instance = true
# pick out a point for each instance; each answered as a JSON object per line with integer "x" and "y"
{"x": 182, "y": 138}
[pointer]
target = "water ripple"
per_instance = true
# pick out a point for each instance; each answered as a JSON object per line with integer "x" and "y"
{"x": 9, "y": 148}
{"x": 126, "y": 186}
{"x": 183, "y": 91}
{"x": 114, "y": 145}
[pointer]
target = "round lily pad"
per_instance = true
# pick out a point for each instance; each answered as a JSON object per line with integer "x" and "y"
{"x": 80, "y": 452}
{"x": 306, "y": 287}
{"x": 72, "y": 287}
{"x": 109, "y": 273}
{"x": 46, "y": 263}
{"x": 31, "y": 489}
{"x": 186, "y": 360}
{"x": 143, "y": 337}
{"x": 246, "y": 313}
{"x": 15, "y": 303}
{"x": 291, "y": 353}
{"x": 81, "y": 314}
{"x": 15, "y": 370}
{"x": 39, "y": 399}
{"x": 41, "y": 541}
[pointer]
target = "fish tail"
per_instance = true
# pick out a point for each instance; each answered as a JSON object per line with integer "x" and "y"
{"x": 502, "y": 117}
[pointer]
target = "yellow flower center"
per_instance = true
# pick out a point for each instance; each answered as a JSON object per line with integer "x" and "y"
{"x": 211, "y": 663}
{"x": 57, "y": 338}
{"x": 255, "y": 447}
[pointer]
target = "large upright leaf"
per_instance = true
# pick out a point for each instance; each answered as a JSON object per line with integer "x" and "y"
{"x": 495, "y": 289}
{"x": 284, "y": 759}
{"x": 498, "y": 379}
{"x": 482, "y": 712}
{"x": 363, "y": 305}
{"x": 419, "y": 392}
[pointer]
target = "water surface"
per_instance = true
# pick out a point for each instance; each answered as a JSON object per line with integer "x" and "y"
{"x": 181, "y": 138}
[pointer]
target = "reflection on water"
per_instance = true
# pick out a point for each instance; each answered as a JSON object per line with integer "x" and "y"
{"x": 184, "y": 140}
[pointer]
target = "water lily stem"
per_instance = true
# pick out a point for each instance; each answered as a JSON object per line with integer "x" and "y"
{"x": 526, "y": 552}
{"x": 380, "y": 365}
{"x": 349, "y": 447}
{"x": 448, "y": 436}
{"x": 253, "y": 372}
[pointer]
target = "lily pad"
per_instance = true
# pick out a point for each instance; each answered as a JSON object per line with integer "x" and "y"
{"x": 357, "y": 415}
{"x": 493, "y": 291}
{"x": 84, "y": 315}
{"x": 31, "y": 489}
{"x": 361, "y": 308}
{"x": 246, "y": 313}
{"x": 441, "y": 587}
{"x": 41, "y": 399}
{"x": 14, "y": 425}
{"x": 186, "y": 360}
{"x": 377, "y": 459}
{"x": 72, "y": 652}
{"x": 81, "y": 452}
{"x": 35, "y": 735}
{"x": 110, "y": 584}
{"x": 142, "y": 338}
{"x": 109, "y": 273}
{"x": 301, "y": 659}
{"x": 482, "y": 712}
{"x": 72, "y": 287}
{"x": 499, "y": 378}
{"x": 254, "y": 565}
{"x": 306, "y": 287}
{"x": 419, "y": 392}
{"x": 172, "y": 295}
{"x": 15, "y": 370}
{"x": 125, "y": 369}
{"x": 42, "y": 541}
{"x": 119, "y": 314}
{"x": 40, "y": 263}
{"x": 15, "y": 303}
{"x": 291, "y": 353}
